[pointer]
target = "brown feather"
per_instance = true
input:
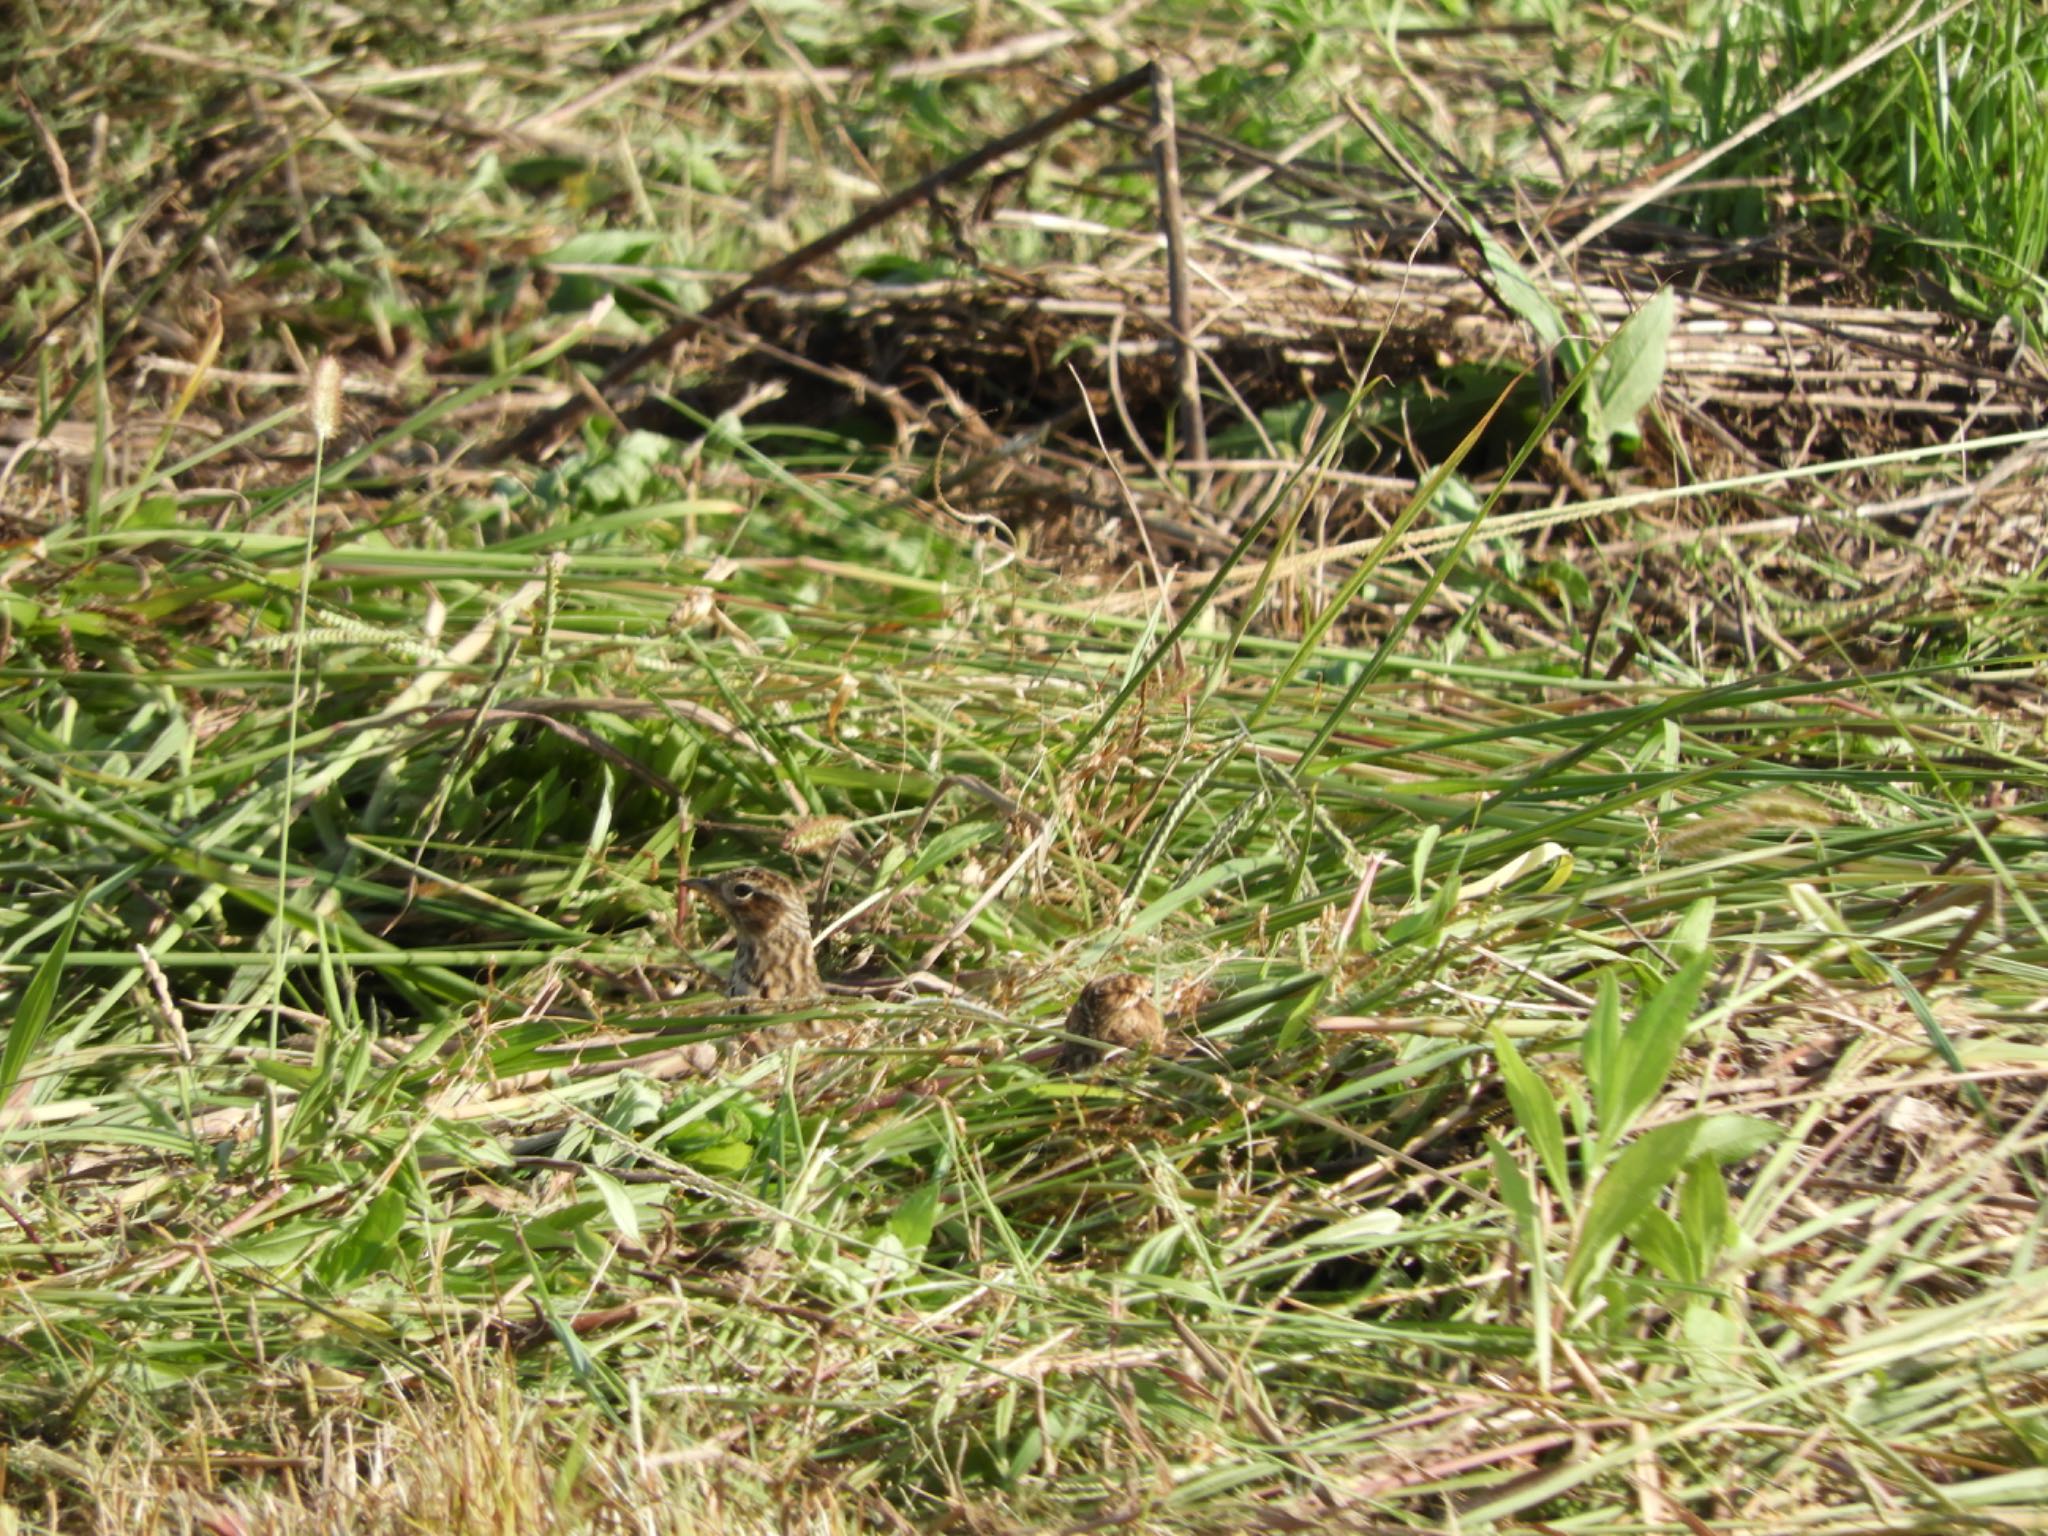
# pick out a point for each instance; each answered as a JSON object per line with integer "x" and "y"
{"x": 1118, "y": 1014}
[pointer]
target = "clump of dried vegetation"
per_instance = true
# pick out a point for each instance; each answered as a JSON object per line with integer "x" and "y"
{"x": 1498, "y": 574}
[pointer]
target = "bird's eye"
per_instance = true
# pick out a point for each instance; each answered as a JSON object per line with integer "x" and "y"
{"x": 742, "y": 891}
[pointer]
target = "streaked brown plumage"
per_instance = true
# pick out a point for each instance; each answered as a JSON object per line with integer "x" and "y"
{"x": 1118, "y": 1014}
{"x": 772, "y": 960}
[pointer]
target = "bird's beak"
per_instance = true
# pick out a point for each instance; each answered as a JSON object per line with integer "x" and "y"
{"x": 701, "y": 887}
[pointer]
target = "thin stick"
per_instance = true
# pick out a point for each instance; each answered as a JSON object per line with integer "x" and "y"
{"x": 546, "y": 427}
{"x": 1192, "y": 440}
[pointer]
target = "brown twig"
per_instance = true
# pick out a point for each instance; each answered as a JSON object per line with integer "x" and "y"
{"x": 1192, "y": 440}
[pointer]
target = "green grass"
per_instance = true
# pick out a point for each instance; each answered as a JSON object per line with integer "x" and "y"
{"x": 1613, "y": 1101}
{"x": 1933, "y": 148}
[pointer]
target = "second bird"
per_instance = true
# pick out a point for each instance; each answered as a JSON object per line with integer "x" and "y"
{"x": 1116, "y": 1013}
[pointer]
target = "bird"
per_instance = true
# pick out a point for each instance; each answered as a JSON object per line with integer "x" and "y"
{"x": 772, "y": 960}
{"x": 1114, "y": 1013}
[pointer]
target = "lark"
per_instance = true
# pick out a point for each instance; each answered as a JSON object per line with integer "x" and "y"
{"x": 772, "y": 960}
{"x": 1118, "y": 1015}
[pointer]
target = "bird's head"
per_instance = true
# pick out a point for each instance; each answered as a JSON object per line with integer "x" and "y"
{"x": 754, "y": 901}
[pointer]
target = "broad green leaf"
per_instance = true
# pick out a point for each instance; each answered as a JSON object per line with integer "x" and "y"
{"x": 1354, "y": 1230}
{"x": 618, "y": 1203}
{"x": 634, "y": 1103}
{"x": 1418, "y": 863}
{"x": 1713, "y": 1340}
{"x": 1565, "y": 577}
{"x": 38, "y": 998}
{"x": 1652, "y": 1043}
{"x": 1703, "y": 1213}
{"x": 915, "y": 1217}
{"x": 1630, "y": 372}
{"x": 1660, "y": 1241}
{"x": 1519, "y": 294}
{"x": 1535, "y": 1111}
{"x": 1635, "y": 361}
{"x": 1601, "y": 1049}
{"x": 369, "y": 1245}
{"x": 604, "y": 247}
{"x": 889, "y": 1257}
{"x": 627, "y": 472}
{"x": 944, "y": 846}
{"x": 563, "y": 1226}
{"x": 384, "y": 1217}
{"x": 1427, "y": 923}
{"x": 1694, "y": 929}
{"x": 719, "y": 1156}
{"x": 1516, "y": 1192}
{"x": 1643, "y": 1170}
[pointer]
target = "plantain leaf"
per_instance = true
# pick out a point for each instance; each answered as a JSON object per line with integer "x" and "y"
{"x": 1535, "y": 1111}
{"x": 1649, "y": 1163}
{"x": 38, "y": 1000}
